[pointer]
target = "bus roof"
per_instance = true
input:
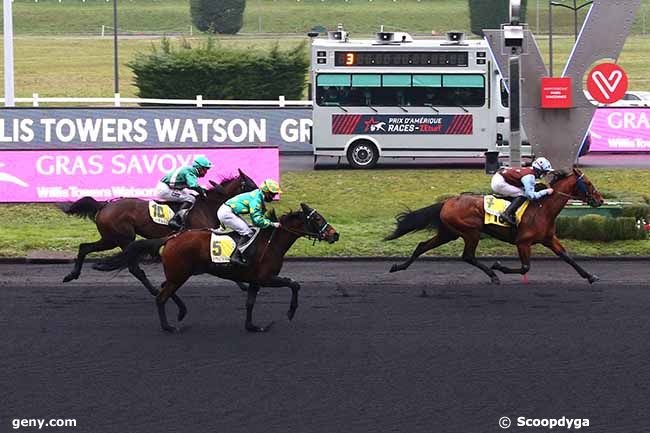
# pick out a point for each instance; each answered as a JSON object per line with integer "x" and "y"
{"x": 437, "y": 44}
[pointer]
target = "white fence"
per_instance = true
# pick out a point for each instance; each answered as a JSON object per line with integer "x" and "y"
{"x": 118, "y": 101}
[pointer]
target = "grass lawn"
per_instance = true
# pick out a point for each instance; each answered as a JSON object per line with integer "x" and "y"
{"x": 273, "y": 16}
{"x": 83, "y": 67}
{"x": 360, "y": 205}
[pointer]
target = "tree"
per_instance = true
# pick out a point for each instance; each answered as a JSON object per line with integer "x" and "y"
{"x": 218, "y": 16}
{"x": 490, "y": 14}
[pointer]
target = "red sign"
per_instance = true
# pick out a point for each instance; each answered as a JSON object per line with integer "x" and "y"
{"x": 556, "y": 92}
{"x": 607, "y": 83}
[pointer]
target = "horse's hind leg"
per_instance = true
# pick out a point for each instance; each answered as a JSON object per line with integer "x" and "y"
{"x": 469, "y": 255}
{"x": 137, "y": 272}
{"x": 182, "y": 309}
{"x": 84, "y": 250}
{"x": 167, "y": 291}
{"x": 524, "y": 256}
{"x": 441, "y": 238}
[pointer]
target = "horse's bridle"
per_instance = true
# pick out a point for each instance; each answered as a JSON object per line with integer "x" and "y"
{"x": 316, "y": 236}
{"x": 582, "y": 188}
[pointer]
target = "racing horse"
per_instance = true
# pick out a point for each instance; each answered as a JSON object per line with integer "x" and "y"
{"x": 119, "y": 221}
{"x": 463, "y": 216}
{"x": 188, "y": 253}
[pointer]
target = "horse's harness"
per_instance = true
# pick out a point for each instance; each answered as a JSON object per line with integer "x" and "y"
{"x": 315, "y": 236}
{"x": 580, "y": 184}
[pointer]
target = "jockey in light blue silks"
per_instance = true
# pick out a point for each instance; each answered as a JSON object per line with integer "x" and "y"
{"x": 252, "y": 203}
{"x": 520, "y": 184}
{"x": 181, "y": 185}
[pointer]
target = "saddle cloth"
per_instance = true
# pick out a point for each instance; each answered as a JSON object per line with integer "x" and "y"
{"x": 494, "y": 207}
{"x": 223, "y": 244}
{"x": 160, "y": 213}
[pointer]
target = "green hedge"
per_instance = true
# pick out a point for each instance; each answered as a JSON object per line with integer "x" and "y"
{"x": 600, "y": 228}
{"x": 490, "y": 14}
{"x": 218, "y": 16}
{"x": 220, "y": 73}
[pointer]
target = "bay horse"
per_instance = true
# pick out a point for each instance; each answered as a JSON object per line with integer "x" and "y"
{"x": 463, "y": 216}
{"x": 119, "y": 221}
{"x": 188, "y": 253}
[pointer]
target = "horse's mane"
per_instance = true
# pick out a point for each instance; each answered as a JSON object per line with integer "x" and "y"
{"x": 289, "y": 215}
{"x": 559, "y": 175}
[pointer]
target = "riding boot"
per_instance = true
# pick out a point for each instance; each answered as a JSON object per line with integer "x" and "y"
{"x": 177, "y": 222}
{"x": 238, "y": 258}
{"x": 509, "y": 214}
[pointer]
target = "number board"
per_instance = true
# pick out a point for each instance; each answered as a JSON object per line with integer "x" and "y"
{"x": 401, "y": 58}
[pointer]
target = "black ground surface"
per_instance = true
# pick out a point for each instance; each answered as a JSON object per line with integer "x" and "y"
{"x": 431, "y": 349}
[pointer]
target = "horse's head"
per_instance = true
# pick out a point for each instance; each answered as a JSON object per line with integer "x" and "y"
{"x": 246, "y": 184}
{"x": 310, "y": 223}
{"x": 582, "y": 187}
{"x": 232, "y": 186}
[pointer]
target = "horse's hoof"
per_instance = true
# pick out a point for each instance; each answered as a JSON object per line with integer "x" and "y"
{"x": 171, "y": 329}
{"x": 495, "y": 280}
{"x": 291, "y": 313}
{"x": 71, "y": 276}
{"x": 181, "y": 315}
{"x": 496, "y": 265}
{"x": 593, "y": 278}
{"x": 395, "y": 268}
{"x": 253, "y": 328}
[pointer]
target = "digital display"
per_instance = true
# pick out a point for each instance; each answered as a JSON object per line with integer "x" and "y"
{"x": 401, "y": 58}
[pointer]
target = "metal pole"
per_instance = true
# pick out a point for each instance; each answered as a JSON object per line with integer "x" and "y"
{"x": 9, "y": 54}
{"x": 537, "y": 19}
{"x": 515, "y": 111}
{"x": 116, "y": 63}
{"x": 575, "y": 20}
{"x": 550, "y": 37}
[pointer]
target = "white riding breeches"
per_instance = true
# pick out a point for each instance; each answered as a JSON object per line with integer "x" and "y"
{"x": 501, "y": 187}
{"x": 164, "y": 192}
{"x": 233, "y": 221}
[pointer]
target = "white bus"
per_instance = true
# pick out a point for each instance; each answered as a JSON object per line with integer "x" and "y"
{"x": 399, "y": 97}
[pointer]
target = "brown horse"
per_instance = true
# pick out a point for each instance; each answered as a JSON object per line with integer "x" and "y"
{"x": 463, "y": 216}
{"x": 119, "y": 221}
{"x": 188, "y": 253}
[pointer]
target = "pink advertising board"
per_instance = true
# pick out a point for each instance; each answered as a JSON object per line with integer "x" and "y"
{"x": 67, "y": 175}
{"x": 620, "y": 130}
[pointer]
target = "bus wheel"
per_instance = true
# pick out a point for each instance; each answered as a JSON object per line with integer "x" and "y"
{"x": 363, "y": 154}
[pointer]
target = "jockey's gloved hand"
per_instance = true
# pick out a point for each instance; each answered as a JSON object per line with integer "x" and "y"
{"x": 276, "y": 225}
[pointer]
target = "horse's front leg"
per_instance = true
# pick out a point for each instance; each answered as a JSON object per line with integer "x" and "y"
{"x": 276, "y": 281}
{"x": 554, "y": 245}
{"x": 250, "y": 304}
{"x": 524, "y": 256}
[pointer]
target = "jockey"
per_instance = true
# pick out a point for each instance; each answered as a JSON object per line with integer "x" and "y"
{"x": 181, "y": 185}
{"x": 520, "y": 184}
{"x": 252, "y": 203}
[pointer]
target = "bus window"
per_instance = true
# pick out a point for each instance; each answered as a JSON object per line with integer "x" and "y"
{"x": 505, "y": 99}
{"x": 463, "y": 89}
{"x": 415, "y": 90}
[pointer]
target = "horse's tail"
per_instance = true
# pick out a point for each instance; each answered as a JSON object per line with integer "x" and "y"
{"x": 85, "y": 207}
{"x": 425, "y": 218}
{"x": 131, "y": 255}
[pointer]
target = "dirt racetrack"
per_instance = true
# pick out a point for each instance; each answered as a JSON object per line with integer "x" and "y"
{"x": 431, "y": 349}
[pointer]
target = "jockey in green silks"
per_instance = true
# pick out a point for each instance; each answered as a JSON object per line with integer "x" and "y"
{"x": 181, "y": 185}
{"x": 252, "y": 203}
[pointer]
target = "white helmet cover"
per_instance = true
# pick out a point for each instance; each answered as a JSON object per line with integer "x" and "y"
{"x": 543, "y": 165}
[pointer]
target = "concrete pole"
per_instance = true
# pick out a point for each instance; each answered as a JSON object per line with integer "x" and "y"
{"x": 9, "y": 54}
